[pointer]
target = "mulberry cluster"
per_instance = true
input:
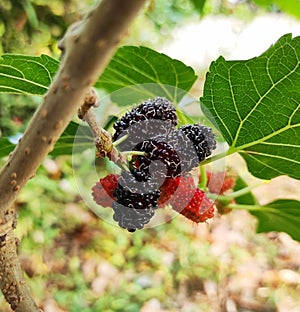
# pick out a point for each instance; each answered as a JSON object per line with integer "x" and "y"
{"x": 159, "y": 172}
{"x": 178, "y": 152}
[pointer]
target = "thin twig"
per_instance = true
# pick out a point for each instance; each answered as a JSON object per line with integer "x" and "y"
{"x": 102, "y": 138}
{"x": 90, "y": 100}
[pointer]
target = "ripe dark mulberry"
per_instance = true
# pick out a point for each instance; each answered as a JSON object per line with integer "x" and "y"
{"x": 160, "y": 161}
{"x": 177, "y": 152}
{"x": 135, "y": 201}
{"x": 130, "y": 218}
{"x": 132, "y": 193}
{"x": 202, "y": 138}
{"x": 151, "y": 118}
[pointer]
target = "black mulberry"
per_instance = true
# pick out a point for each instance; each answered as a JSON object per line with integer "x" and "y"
{"x": 160, "y": 161}
{"x": 130, "y": 218}
{"x": 202, "y": 138}
{"x": 151, "y": 118}
{"x": 136, "y": 194}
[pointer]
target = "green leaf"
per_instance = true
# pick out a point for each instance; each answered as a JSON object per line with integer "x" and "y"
{"x": 74, "y": 139}
{"x": 282, "y": 215}
{"x": 6, "y": 147}
{"x": 184, "y": 118}
{"x": 26, "y": 74}
{"x": 66, "y": 144}
{"x": 246, "y": 199}
{"x": 147, "y": 73}
{"x": 255, "y": 104}
{"x": 291, "y": 7}
{"x": 198, "y": 4}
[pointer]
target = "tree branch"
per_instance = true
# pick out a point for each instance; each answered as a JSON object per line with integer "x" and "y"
{"x": 87, "y": 48}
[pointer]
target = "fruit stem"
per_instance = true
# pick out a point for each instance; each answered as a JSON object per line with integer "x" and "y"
{"x": 254, "y": 208}
{"x": 102, "y": 139}
{"x": 132, "y": 153}
{"x": 203, "y": 182}
{"x": 217, "y": 157}
{"x": 222, "y": 198}
{"x": 182, "y": 117}
{"x": 246, "y": 207}
{"x": 246, "y": 190}
{"x": 125, "y": 167}
{"x": 122, "y": 139}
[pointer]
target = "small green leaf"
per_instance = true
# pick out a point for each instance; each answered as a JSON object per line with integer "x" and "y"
{"x": 6, "y": 147}
{"x": 282, "y": 215}
{"x": 255, "y": 104}
{"x": 26, "y": 74}
{"x": 147, "y": 73}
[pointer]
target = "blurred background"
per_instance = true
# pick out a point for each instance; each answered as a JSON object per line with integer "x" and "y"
{"x": 74, "y": 261}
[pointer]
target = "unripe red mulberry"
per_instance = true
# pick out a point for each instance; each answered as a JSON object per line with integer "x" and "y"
{"x": 103, "y": 191}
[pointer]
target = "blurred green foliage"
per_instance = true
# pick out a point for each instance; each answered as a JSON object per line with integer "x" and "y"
{"x": 291, "y": 7}
{"x": 15, "y": 112}
{"x": 34, "y": 26}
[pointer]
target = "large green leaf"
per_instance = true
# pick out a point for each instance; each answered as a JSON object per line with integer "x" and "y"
{"x": 256, "y": 105}
{"x": 26, "y": 74}
{"x": 147, "y": 73}
{"x": 282, "y": 215}
{"x": 130, "y": 66}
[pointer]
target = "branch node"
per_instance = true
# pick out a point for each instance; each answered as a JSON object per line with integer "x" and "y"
{"x": 16, "y": 188}
{"x": 44, "y": 138}
{"x": 44, "y": 113}
{"x": 27, "y": 151}
{"x": 102, "y": 138}
{"x": 90, "y": 100}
